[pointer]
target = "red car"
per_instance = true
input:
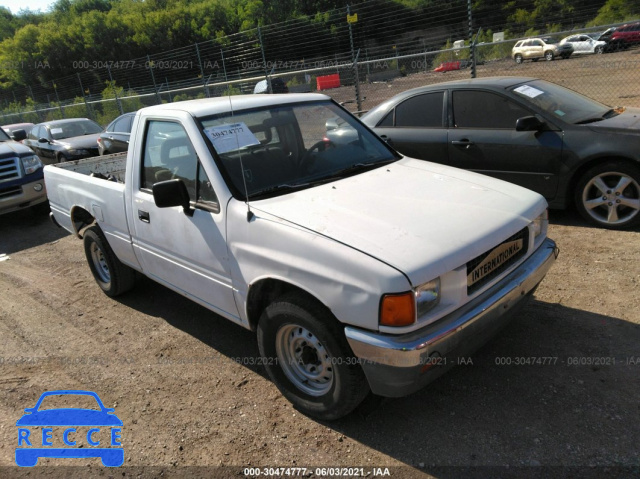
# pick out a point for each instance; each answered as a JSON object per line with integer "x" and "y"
{"x": 626, "y": 36}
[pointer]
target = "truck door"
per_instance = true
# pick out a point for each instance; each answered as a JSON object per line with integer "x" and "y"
{"x": 186, "y": 253}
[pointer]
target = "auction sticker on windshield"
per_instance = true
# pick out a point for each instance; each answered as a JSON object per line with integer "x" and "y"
{"x": 528, "y": 91}
{"x": 231, "y": 136}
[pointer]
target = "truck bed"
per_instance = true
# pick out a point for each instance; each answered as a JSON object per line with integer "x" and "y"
{"x": 100, "y": 166}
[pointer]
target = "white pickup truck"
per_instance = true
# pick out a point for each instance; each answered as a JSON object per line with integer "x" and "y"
{"x": 361, "y": 270}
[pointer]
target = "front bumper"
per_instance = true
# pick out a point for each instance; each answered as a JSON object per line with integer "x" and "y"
{"x": 399, "y": 365}
{"x": 22, "y": 196}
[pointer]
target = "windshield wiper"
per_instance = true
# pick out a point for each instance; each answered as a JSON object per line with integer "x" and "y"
{"x": 360, "y": 167}
{"x": 606, "y": 115}
{"x": 288, "y": 187}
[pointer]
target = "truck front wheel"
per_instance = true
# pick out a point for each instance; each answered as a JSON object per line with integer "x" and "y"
{"x": 307, "y": 356}
{"x": 111, "y": 275}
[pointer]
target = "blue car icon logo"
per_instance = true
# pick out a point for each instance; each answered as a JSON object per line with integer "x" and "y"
{"x": 69, "y": 432}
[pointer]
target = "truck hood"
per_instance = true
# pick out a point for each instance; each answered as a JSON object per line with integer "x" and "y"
{"x": 12, "y": 148}
{"x": 421, "y": 218}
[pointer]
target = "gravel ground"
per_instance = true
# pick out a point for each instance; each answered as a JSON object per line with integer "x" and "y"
{"x": 194, "y": 402}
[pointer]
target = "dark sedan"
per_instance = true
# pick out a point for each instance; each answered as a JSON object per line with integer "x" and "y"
{"x": 115, "y": 137}
{"x": 62, "y": 140}
{"x": 569, "y": 148}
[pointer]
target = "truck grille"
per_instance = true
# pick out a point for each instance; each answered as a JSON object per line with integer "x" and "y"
{"x": 482, "y": 269}
{"x": 9, "y": 169}
{"x": 9, "y": 192}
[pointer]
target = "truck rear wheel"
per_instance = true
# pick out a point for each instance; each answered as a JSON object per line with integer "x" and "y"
{"x": 113, "y": 277}
{"x": 307, "y": 356}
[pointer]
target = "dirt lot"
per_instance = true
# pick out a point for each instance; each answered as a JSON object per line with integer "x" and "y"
{"x": 193, "y": 402}
{"x": 183, "y": 381}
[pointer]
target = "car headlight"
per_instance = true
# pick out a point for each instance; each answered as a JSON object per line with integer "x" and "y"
{"x": 540, "y": 224}
{"x": 31, "y": 164}
{"x": 427, "y": 296}
{"x": 77, "y": 152}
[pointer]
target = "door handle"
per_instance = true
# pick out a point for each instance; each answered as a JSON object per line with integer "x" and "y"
{"x": 464, "y": 142}
{"x": 144, "y": 216}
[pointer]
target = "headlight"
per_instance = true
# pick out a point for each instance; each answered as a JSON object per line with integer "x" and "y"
{"x": 78, "y": 152}
{"x": 31, "y": 164}
{"x": 540, "y": 224}
{"x": 427, "y": 296}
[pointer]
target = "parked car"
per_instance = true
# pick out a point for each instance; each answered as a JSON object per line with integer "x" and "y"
{"x": 115, "y": 137}
{"x": 14, "y": 127}
{"x": 625, "y": 36}
{"x": 567, "y": 147}
{"x": 62, "y": 140}
{"x": 360, "y": 270}
{"x": 21, "y": 177}
{"x": 537, "y": 48}
{"x": 583, "y": 44}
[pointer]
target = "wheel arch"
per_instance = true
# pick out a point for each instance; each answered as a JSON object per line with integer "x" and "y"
{"x": 81, "y": 219}
{"x": 587, "y": 165}
{"x": 265, "y": 291}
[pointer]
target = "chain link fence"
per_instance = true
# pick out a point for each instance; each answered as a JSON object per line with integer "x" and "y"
{"x": 359, "y": 55}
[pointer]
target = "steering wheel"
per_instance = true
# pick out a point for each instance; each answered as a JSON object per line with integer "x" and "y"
{"x": 308, "y": 157}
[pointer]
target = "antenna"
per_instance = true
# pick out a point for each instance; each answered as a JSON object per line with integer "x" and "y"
{"x": 250, "y": 214}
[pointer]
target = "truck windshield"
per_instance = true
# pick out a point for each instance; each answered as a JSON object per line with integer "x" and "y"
{"x": 270, "y": 151}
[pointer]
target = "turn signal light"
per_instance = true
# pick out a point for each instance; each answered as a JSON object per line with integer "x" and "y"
{"x": 398, "y": 309}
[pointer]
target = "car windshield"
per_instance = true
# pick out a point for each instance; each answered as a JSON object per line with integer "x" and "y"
{"x": 70, "y": 129}
{"x": 282, "y": 148}
{"x": 550, "y": 40}
{"x": 562, "y": 103}
{"x": 3, "y": 135}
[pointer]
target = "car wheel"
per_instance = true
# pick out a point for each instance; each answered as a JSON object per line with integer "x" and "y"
{"x": 518, "y": 58}
{"x": 60, "y": 158}
{"x": 307, "y": 356}
{"x": 599, "y": 50}
{"x": 113, "y": 277}
{"x": 548, "y": 56}
{"x": 608, "y": 195}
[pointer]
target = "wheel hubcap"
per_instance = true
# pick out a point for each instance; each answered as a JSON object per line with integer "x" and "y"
{"x": 612, "y": 198}
{"x": 100, "y": 263}
{"x": 304, "y": 360}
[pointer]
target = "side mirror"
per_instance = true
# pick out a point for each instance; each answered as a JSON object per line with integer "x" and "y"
{"x": 19, "y": 135}
{"x": 43, "y": 140}
{"x": 172, "y": 193}
{"x": 529, "y": 123}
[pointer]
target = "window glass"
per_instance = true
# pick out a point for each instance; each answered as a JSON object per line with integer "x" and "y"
{"x": 481, "y": 109}
{"x": 168, "y": 154}
{"x": 123, "y": 125}
{"x": 421, "y": 111}
{"x": 387, "y": 120}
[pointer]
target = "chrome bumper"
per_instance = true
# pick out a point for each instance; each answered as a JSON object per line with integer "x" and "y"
{"x": 399, "y": 365}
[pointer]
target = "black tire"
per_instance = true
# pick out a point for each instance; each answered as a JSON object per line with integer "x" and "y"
{"x": 518, "y": 58}
{"x": 548, "y": 55}
{"x": 60, "y": 158}
{"x": 599, "y": 50}
{"x": 608, "y": 195}
{"x": 307, "y": 356}
{"x": 113, "y": 277}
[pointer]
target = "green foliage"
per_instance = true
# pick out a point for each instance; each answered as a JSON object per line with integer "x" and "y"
{"x": 114, "y": 94}
{"x": 616, "y": 11}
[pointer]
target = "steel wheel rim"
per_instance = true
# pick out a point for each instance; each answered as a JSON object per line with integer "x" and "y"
{"x": 612, "y": 198}
{"x": 304, "y": 360}
{"x": 100, "y": 263}
{"x": 548, "y": 56}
